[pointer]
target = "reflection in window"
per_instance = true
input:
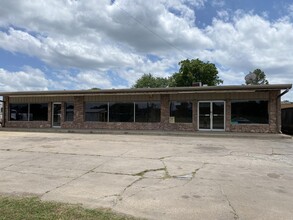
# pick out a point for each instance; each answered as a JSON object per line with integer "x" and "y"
{"x": 19, "y": 112}
{"x": 28, "y": 112}
{"x": 121, "y": 112}
{"x": 96, "y": 111}
{"x": 247, "y": 112}
{"x": 147, "y": 112}
{"x": 181, "y": 111}
{"x": 69, "y": 111}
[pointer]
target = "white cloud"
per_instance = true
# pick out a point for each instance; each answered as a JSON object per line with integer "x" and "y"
{"x": 27, "y": 80}
{"x": 218, "y": 3}
{"x": 252, "y": 42}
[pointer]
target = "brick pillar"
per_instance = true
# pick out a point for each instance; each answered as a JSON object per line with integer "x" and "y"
{"x": 165, "y": 109}
{"x": 228, "y": 115}
{"x": 78, "y": 111}
{"x": 273, "y": 112}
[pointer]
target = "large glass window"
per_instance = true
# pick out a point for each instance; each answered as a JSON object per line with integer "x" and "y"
{"x": 247, "y": 112}
{"x": 38, "y": 112}
{"x": 69, "y": 111}
{"x": 96, "y": 111}
{"x": 181, "y": 111}
{"x": 147, "y": 112}
{"x": 19, "y": 112}
{"x": 29, "y": 112}
{"x": 121, "y": 112}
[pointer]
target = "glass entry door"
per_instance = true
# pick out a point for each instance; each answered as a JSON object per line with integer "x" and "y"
{"x": 211, "y": 115}
{"x": 56, "y": 122}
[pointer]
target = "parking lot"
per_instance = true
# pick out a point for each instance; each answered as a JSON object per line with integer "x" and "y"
{"x": 153, "y": 177}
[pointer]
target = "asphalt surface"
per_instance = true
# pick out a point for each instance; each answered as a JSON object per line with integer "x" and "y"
{"x": 151, "y": 176}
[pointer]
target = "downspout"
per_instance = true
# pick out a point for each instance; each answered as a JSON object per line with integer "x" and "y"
{"x": 283, "y": 93}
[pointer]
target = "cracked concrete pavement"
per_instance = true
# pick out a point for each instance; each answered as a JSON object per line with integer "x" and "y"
{"x": 153, "y": 177}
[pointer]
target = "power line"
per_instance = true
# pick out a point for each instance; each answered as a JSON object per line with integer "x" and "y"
{"x": 151, "y": 31}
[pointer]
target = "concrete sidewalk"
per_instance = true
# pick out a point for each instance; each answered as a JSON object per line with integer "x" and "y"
{"x": 154, "y": 132}
{"x": 153, "y": 176}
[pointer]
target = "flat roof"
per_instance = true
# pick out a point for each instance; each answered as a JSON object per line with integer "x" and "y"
{"x": 142, "y": 91}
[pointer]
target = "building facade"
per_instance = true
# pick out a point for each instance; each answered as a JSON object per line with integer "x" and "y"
{"x": 207, "y": 108}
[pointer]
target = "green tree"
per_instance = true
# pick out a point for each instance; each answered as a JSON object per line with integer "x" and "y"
{"x": 150, "y": 81}
{"x": 192, "y": 71}
{"x": 257, "y": 77}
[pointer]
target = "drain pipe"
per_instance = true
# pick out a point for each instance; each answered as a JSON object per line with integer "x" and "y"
{"x": 283, "y": 93}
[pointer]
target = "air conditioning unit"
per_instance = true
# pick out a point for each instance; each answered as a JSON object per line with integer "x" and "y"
{"x": 196, "y": 84}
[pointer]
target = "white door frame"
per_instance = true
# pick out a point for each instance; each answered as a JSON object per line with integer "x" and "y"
{"x": 211, "y": 115}
{"x": 57, "y": 103}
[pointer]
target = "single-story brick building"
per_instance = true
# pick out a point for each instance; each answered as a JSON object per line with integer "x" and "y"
{"x": 254, "y": 108}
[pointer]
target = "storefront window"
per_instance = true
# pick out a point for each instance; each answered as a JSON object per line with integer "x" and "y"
{"x": 249, "y": 112}
{"x": 28, "y": 112}
{"x": 121, "y": 112}
{"x": 181, "y": 111}
{"x": 147, "y": 112}
{"x": 38, "y": 112}
{"x": 96, "y": 111}
{"x": 69, "y": 111}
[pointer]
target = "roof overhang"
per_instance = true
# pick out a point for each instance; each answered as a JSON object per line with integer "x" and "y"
{"x": 151, "y": 91}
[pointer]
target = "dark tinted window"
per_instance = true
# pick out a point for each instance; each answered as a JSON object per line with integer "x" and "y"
{"x": 147, "y": 112}
{"x": 121, "y": 112}
{"x": 247, "y": 112}
{"x": 181, "y": 111}
{"x": 38, "y": 112}
{"x": 18, "y": 112}
{"x": 69, "y": 111}
{"x": 96, "y": 111}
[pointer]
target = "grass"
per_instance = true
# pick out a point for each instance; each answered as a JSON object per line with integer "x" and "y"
{"x": 32, "y": 208}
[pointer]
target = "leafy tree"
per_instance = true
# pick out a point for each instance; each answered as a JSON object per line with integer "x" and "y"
{"x": 257, "y": 77}
{"x": 192, "y": 71}
{"x": 150, "y": 81}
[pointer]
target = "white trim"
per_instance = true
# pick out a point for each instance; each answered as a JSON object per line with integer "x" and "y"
{"x": 55, "y": 103}
{"x": 211, "y": 115}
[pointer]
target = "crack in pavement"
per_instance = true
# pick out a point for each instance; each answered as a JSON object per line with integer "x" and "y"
{"x": 236, "y": 216}
{"x": 120, "y": 196}
{"x": 18, "y": 163}
{"x": 70, "y": 181}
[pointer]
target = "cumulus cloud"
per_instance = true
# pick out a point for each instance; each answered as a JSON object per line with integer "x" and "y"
{"x": 28, "y": 79}
{"x": 252, "y": 42}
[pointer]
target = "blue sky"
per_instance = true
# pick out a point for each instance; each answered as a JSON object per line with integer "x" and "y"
{"x": 74, "y": 44}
